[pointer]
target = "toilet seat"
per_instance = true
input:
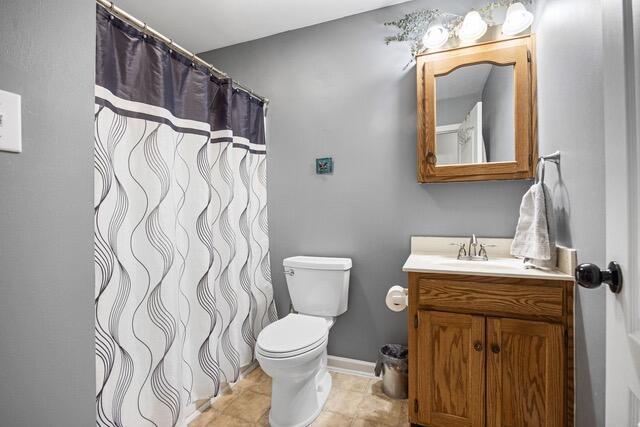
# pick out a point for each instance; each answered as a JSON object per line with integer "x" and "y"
{"x": 292, "y": 335}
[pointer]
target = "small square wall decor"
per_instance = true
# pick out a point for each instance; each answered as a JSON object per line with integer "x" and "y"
{"x": 324, "y": 166}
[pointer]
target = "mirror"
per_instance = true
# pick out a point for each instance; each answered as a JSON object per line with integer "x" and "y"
{"x": 475, "y": 115}
{"x": 476, "y": 112}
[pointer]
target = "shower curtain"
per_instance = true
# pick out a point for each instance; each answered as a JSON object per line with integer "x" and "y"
{"x": 182, "y": 274}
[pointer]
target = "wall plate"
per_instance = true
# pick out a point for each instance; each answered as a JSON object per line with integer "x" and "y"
{"x": 324, "y": 165}
{"x": 10, "y": 122}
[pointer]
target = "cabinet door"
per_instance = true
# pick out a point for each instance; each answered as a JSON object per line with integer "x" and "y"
{"x": 451, "y": 369}
{"x": 525, "y": 381}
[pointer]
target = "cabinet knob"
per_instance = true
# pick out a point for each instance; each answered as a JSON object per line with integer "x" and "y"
{"x": 477, "y": 346}
{"x": 495, "y": 348}
{"x": 431, "y": 158}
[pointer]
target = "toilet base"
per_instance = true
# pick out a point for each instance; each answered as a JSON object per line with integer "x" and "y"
{"x": 309, "y": 399}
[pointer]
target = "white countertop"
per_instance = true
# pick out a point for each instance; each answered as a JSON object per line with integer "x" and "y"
{"x": 435, "y": 255}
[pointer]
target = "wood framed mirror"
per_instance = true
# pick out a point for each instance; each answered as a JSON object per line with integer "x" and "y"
{"x": 477, "y": 112}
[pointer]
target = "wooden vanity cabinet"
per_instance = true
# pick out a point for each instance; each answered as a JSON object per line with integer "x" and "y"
{"x": 490, "y": 351}
{"x": 450, "y": 377}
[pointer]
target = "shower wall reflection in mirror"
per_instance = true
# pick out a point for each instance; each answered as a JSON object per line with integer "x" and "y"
{"x": 475, "y": 115}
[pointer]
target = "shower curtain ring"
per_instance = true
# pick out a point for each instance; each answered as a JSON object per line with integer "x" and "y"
{"x": 111, "y": 11}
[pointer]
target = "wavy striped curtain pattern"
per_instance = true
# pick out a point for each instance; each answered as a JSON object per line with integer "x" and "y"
{"x": 182, "y": 273}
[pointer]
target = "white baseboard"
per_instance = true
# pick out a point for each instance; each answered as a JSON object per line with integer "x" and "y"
{"x": 351, "y": 366}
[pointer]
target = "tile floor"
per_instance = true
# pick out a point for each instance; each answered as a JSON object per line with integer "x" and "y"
{"x": 354, "y": 402}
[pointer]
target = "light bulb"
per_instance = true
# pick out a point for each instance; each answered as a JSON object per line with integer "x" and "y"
{"x": 518, "y": 19}
{"x": 436, "y": 36}
{"x": 473, "y": 27}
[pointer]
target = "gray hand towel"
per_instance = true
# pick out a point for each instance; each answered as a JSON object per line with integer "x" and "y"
{"x": 535, "y": 238}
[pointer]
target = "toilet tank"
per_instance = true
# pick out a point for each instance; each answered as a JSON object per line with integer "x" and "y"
{"x": 318, "y": 286}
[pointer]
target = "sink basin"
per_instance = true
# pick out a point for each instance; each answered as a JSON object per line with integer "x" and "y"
{"x": 499, "y": 264}
{"x": 502, "y": 264}
{"x": 435, "y": 255}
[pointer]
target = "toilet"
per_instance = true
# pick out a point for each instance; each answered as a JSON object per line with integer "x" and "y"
{"x": 293, "y": 350}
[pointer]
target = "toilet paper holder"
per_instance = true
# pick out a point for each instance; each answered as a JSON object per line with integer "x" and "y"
{"x": 401, "y": 299}
{"x": 397, "y": 298}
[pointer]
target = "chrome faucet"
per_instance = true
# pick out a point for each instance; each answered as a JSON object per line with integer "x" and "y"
{"x": 473, "y": 246}
{"x": 475, "y": 252}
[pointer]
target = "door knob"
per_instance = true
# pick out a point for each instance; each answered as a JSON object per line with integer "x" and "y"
{"x": 590, "y": 276}
{"x": 477, "y": 346}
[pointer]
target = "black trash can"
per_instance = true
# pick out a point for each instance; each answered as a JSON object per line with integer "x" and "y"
{"x": 393, "y": 364}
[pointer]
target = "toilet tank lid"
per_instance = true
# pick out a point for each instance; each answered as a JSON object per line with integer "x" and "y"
{"x": 318, "y": 263}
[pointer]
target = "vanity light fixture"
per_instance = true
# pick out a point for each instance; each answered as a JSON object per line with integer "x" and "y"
{"x": 473, "y": 27}
{"x": 518, "y": 19}
{"x": 428, "y": 30}
{"x": 436, "y": 35}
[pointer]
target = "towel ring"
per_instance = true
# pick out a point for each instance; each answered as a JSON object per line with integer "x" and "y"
{"x": 553, "y": 158}
{"x": 539, "y": 176}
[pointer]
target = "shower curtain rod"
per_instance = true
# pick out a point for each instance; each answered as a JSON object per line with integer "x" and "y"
{"x": 111, "y": 7}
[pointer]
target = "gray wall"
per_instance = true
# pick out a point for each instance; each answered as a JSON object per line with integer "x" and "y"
{"x": 498, "y": 121}
{"x": 454, "y": 110}
{"x": 46, "y": 230}
{"x": 571, "y": 119}
{"x": 337, "y": 90}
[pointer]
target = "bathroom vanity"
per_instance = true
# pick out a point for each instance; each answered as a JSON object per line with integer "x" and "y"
{"x": 490, "y": 343}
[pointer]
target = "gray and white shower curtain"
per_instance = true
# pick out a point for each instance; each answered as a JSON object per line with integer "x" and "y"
{"x": 182, "y": 274}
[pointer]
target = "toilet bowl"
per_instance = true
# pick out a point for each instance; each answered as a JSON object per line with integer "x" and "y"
{"x": 293, "y": 350}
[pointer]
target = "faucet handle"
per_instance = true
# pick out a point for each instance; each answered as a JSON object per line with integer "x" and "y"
{"x": 462, "y": 251}
{"x": 485, "y": 245}
{"x": 483, "y": 250}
